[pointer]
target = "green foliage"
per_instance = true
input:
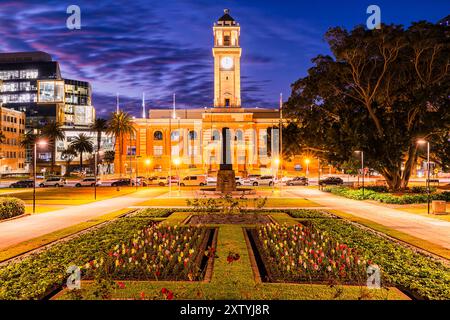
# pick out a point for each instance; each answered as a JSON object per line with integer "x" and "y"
{"x": 39, "y": 274}
{"x": 226, "y": 204}
{"x": 11, "y": 207}
{"x": 386, "y": 197}
{"x": 422, "y": 189}
{"x": 379, "y": 92}
{"x": 399, "y": 265}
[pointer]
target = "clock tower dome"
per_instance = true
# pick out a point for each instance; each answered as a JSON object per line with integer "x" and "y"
{"x": 227, "y": 66}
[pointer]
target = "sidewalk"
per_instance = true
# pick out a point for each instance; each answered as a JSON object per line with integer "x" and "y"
{"x": 29, "y": 227}
{"x": 433, "y": 230}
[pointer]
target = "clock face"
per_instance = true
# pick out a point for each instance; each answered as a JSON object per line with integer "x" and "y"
{"x": 226, "y": 62}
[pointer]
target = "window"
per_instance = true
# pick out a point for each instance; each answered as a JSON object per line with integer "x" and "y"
{"x": 131, "y": 151}
{"x": 215, "y": 135}
{"x": 192, "y": 135}
{"x": 157, "y": 135}
{"x": 175, "y": 136}
{"x": 227, "y": 102}
{"x": 226, "y": 40}
{"x": 239, "y": 136}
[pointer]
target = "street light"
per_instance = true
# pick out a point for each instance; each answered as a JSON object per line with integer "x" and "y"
{"x": 422, "y": 141}
{"x": 137, "y": 164}
{"x": 276, "y": 161}
{"x": 147, "y": 164}
{"x": 307, "y": 166}
{"x": 40, "y": 143}
{"x": 97, "y": 153}
{"x": 362, "y": 168}
{"x": 177, "y": 162}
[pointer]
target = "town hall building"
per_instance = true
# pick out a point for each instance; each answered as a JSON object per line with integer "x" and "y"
{"x": 189, "y": 140}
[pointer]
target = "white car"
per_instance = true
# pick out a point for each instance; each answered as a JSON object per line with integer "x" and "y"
{"x": 211, "y": 181}
{"x": 199, "y": 180}
{"x": 263, "y": 181}
{"x": 53, "y": 182}
{"x": 239, "y": 181}
{"x": 88, "y": 182}
{"x": 251, "y": 178}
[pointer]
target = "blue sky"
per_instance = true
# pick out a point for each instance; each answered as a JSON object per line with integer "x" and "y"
{"x": 164, "y": 47}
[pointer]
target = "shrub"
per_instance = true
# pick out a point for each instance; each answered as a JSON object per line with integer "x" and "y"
{"x": 382, "y": 189}
{"x": 11, "y": 207}
{"x": 422, "y": 189}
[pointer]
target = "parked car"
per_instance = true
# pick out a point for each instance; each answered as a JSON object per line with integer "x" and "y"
{"x": 211, "y": 181}
{"x": 263, "y": 181}
{"x": 88, "y": 182}
{"x": 142, "y": 181}
{"x": 199, "y": 180}
{"x": 251, "y": 178}
{"x": 331, "y": 181}
{"x": 53, "y": 182}
{"x": 121, "y": 182}
{"x": 239, "y": 181}
{"x": 22, "y": 184}
{"x": 297, "y": 181}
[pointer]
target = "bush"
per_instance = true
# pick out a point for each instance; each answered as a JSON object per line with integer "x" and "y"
{"x": 11, "y": 207}
{"x": 422, "y": 189}
{"x": 386, "y": 197}
{"x": 382, "y": 189}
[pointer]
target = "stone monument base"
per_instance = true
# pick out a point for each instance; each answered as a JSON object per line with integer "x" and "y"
{"x": 226, "y": 181}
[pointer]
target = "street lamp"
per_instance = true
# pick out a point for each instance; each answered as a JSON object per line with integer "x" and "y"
{"x": 137, "y": 164}
{"x": 40, "y": 143}
{"x": 147, "y": 164}
{"x": 276, "y": 162}
{"x": 307, "y": 166}
{"x": 97, "y": 153}
{"x": 318, "y": 172}
{"x": 177, "y": 162}
{"x": 362, "y": 168}
{"x": 422, "y": 141}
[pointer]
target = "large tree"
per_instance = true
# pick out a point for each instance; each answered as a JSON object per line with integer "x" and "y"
{"x": 54, "y": 132}
{"x": 82, "y": 144}
{"x": 380, "y": 92}
{"x": 120, "y": 125}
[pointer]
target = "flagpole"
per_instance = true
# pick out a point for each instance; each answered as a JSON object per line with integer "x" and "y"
{"x": 281, "y": 140}
{"x": 143, "y": 105}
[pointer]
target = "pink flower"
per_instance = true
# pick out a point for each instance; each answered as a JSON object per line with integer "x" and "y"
{"x": 121, "y": 285}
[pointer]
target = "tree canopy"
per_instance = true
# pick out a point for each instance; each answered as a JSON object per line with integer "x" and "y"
{"x": 380, "y": 92}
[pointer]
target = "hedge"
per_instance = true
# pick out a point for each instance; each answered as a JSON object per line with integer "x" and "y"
{"x": 386, "y": 197}
{"x": 11, "y": 207}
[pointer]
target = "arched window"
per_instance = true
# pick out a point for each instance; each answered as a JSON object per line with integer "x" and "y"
{"x": 192, "y": 135}
{"x": 157, "y": 135}
{"x": 215, "y": 135}
{"x": 239, "y": 136}
{"x": 175, "y": 135}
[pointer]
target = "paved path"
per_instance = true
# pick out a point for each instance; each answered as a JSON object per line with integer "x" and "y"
{"x": 430, "y": 229}
{"x": 22, "y": 229}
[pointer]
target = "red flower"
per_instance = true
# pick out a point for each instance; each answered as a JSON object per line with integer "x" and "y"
{"x": 170, "y": 295}
{"x": 142, "y": 295}
{"x": 121, "y": 285}
{"x": 163, "y": 290}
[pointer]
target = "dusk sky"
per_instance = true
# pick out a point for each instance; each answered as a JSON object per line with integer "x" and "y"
{"x": 164, "y": 47}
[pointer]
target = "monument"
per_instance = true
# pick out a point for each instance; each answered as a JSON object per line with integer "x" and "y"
{"x": 226, "y": 180}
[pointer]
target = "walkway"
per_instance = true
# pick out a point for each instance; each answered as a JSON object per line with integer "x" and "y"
{"x": 29, "y": 227}
{"x": 433, "y": 230}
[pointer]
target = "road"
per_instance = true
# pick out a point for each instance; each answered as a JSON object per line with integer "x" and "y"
{"x": 430, "y": 229}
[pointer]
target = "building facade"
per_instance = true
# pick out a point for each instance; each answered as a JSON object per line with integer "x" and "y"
{"x": 12, "y": 155}
{"x": 189, "y": 141}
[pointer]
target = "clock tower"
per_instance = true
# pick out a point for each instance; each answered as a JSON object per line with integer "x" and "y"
{"x": 227, "y": 66}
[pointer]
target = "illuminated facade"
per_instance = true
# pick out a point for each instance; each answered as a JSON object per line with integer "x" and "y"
{"x": 189, "y": 140}
{"x": 12, "y": 156}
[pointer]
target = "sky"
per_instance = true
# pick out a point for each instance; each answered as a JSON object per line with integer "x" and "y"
{"x": 162, "y": 47}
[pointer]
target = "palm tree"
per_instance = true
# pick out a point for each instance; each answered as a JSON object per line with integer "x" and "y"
{"x": 120, "y": 125}
{"x": 100, "y": 125}
{"x": 82, "y": 143}
{"x": 69, "y": 154}
{"x": 109, "y": 158}
{"x": 53, "y": 132}
{"x": 27, "y": 141}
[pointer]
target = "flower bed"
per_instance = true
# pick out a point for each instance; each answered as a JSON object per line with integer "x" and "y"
{"x": 158, "y": 252}
{"x": 300, "y": 254}
{"x": 389, "y": 198}
{"x": 414, "y": 272}
{"x": 39, "y": 274}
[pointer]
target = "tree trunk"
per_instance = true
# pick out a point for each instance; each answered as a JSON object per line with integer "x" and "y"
{"x": 52, "y": 168}
{"x": 409, "y": 165}
{"x": 81, "y": 162}
{"x": 120, "y": 154}
{"x": 99, "y": 140}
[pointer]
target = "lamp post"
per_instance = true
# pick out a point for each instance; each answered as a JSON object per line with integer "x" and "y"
{"x": 422, "y": 141}
{"x": 362, "y": 169}
{"x": 137, "y": 165}
{"x": 97, "y": 153}
{"x": 147, "y": 164}
{"x": 307, "y": 167}
{"x": 176, "y": 161}
{"x": 40, "y": 143}
{"x": 276, "y": 162}
{"x": 318, "y": 173}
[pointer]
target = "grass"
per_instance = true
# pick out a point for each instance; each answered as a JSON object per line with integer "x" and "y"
{"x": 235, "y": 280}
{"x": 26, "y": 246}
{"x": 417, "y": 242}
{"x": 43, "y": 208}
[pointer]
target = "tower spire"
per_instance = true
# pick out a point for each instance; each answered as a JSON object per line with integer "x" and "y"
{"x": 143, "y": 105}
{"x": 174, "y": 112}
{"x": 117, "y": 103}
